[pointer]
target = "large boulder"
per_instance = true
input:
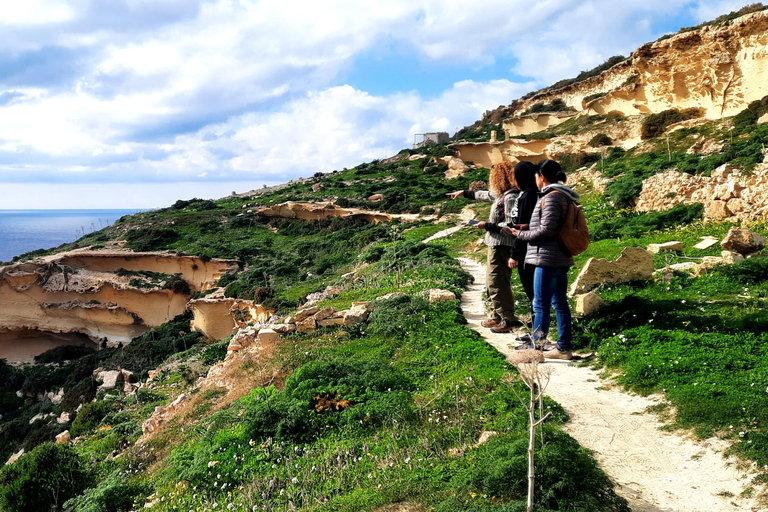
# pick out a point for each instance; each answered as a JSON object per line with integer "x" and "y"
{"x": 634, "y": 264}
{"x": 743, "y": 241}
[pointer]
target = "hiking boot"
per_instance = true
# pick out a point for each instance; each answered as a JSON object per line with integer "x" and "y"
{"x": 556, "y": 353}
{"x": 507, "y": 326}
{"x": 525, "y": 338}
{"x": 490, "y": 323}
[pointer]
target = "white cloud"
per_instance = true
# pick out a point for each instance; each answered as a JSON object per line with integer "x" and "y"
{"x": 35, "y": 12}
{"x": 172, "y": 90}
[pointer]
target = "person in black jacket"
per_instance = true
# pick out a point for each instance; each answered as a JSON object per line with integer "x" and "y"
{"x": 549, "y": 255}
{"x": 525, "y": 176}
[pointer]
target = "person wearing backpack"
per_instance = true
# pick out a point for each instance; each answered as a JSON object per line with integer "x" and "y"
{"x": 503, "y": 193}
{"x": 552, "y": 260}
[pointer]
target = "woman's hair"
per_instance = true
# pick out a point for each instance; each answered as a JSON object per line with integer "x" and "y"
{"x": 502, "y": 178}
{"x": 552, "y": 171}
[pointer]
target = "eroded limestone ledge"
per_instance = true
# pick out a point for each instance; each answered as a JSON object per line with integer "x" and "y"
{"x": 81, "y": 292}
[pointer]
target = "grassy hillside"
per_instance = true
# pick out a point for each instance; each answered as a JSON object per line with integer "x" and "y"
{"x": 355, "y": 419}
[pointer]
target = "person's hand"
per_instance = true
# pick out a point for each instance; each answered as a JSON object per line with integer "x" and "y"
{"x": 514, "y": 232}
{"x": 480, "y": 225}
{"x": 521, "y": 227}
{"x": 455, "y": 195}
{"x": 512, "y": 263}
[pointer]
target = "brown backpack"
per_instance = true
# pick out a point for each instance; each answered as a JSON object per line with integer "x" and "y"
{"x": 573, "y": 233}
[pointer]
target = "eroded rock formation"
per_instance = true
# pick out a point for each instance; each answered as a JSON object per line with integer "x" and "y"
{"x": 718, "y": 68}
{"x": 726, "y": 193}
{"x": 94, "y": 295}
{"x": 320, "y": 210}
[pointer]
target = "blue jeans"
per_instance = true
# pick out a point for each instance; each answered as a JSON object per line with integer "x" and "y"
{"x": 550, "y": 286}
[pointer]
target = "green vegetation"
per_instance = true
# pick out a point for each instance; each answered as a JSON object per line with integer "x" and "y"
{"x": 654, "y": 124}
{"x": 389, "y": 411}
{"x": 725, "y": 18}
{"x": 556, "y": 105}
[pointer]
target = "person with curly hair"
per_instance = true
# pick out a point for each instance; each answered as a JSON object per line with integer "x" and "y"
{"x": 503, "y": 193}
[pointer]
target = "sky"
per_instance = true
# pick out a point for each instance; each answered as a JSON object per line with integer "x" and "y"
{"x": 138, "y": 103}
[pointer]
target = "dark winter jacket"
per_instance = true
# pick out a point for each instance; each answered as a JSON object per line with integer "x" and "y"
{"x": 544, "y": 247}
{"x": 526, "y": 202}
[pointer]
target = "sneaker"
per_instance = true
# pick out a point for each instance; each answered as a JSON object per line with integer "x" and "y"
{"x": 556, "y": 353}
{"x": 490, "y": 323}
{"x": 507, "y": 326}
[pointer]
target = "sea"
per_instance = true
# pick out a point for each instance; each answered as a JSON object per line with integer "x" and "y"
{"x": 22, "y": 231}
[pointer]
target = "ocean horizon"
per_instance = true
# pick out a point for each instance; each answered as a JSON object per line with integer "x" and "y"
{"x": 22, "y": 231}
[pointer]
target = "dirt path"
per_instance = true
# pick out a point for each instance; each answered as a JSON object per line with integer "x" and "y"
{"x": 655, "y": 471}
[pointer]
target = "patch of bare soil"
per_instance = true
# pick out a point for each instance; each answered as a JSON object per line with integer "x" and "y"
{"x": 655, "y": 471}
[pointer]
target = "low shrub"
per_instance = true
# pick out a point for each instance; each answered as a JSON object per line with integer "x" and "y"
{"x": 116, "y": 493}
{"x": 654, "y": 124}
{"x": 91, "y": 416}
{"x": 325, "y": 395}
{"x": 751, "y": 114}
{"x": 150, "y": 239}
{"x": 600, "y": 139}
{"x": 43, "y": 479}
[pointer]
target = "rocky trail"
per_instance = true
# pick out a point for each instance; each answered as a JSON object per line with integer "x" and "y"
{"x": 655, "y": 471}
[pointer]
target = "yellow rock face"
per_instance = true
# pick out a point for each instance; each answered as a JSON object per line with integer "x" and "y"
{"x": 52, "y": 301}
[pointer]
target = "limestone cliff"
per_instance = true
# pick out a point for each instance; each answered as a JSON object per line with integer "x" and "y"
{"x": 82, "y": 292}
{"x": 720, "y": 69}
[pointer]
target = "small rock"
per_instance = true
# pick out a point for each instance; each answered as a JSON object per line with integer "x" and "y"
{"x": 436, "y": 295}
{"x": 15, "y": 457}
{"x": 706, "y": 243}
{"x": 586, "y": 303}
{"x": 329, "y": 322}
{"x": 376, "y": 197}
{"x": 731, "y": 257}
{"x": 268, "y": 336}
{"x": 307, "y": 325}
{"x": 283, "y": 328}
{"x": 357, "y": 314}
{"x": 666, "y": 246}
{"x": 304, "y": 313}
{"x": 392, "y": 295}
{"x": 743, "y": 241}
{"x": 325, "y": 313}
{"x": 64, "y": 437}
{"x": 64, "y": 418}
{"x": 634, "y": 264}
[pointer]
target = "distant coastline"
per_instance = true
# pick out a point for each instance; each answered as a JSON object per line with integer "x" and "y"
{"x": 22, "y": 231}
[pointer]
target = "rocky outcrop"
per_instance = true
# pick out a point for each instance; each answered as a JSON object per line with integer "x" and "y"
{"x": 217, "y": 317}
{"x": 320, "y": 210}
{"x": 718, "y": 68}
{"x": 634, "y": 264}
{"x": 94, "y": 297}
{"x": 727, "y": 193}
{"x": 487, "y": 154}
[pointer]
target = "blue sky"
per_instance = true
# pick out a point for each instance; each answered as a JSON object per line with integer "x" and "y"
{"x": 137, "y": 103}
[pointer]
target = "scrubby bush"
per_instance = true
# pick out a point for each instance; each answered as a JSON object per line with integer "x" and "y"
{"x": 325, "y": 395}
{"x": 574, "y": 161}
{"x": 64, "y": 353}
{"x": 600, "y": 139}
{"x": 654, "y": 124}
{"x": 623, "y": 191}
{"x": 116, "y": 493}
{"x": 43, "y": 479}
{"x": 90, "y": 416}
{"x": 567, "y": 477}
{"x": 150, "y": 239}
{"x": 749, "y": 271}
{"x": 751, "y": 114}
